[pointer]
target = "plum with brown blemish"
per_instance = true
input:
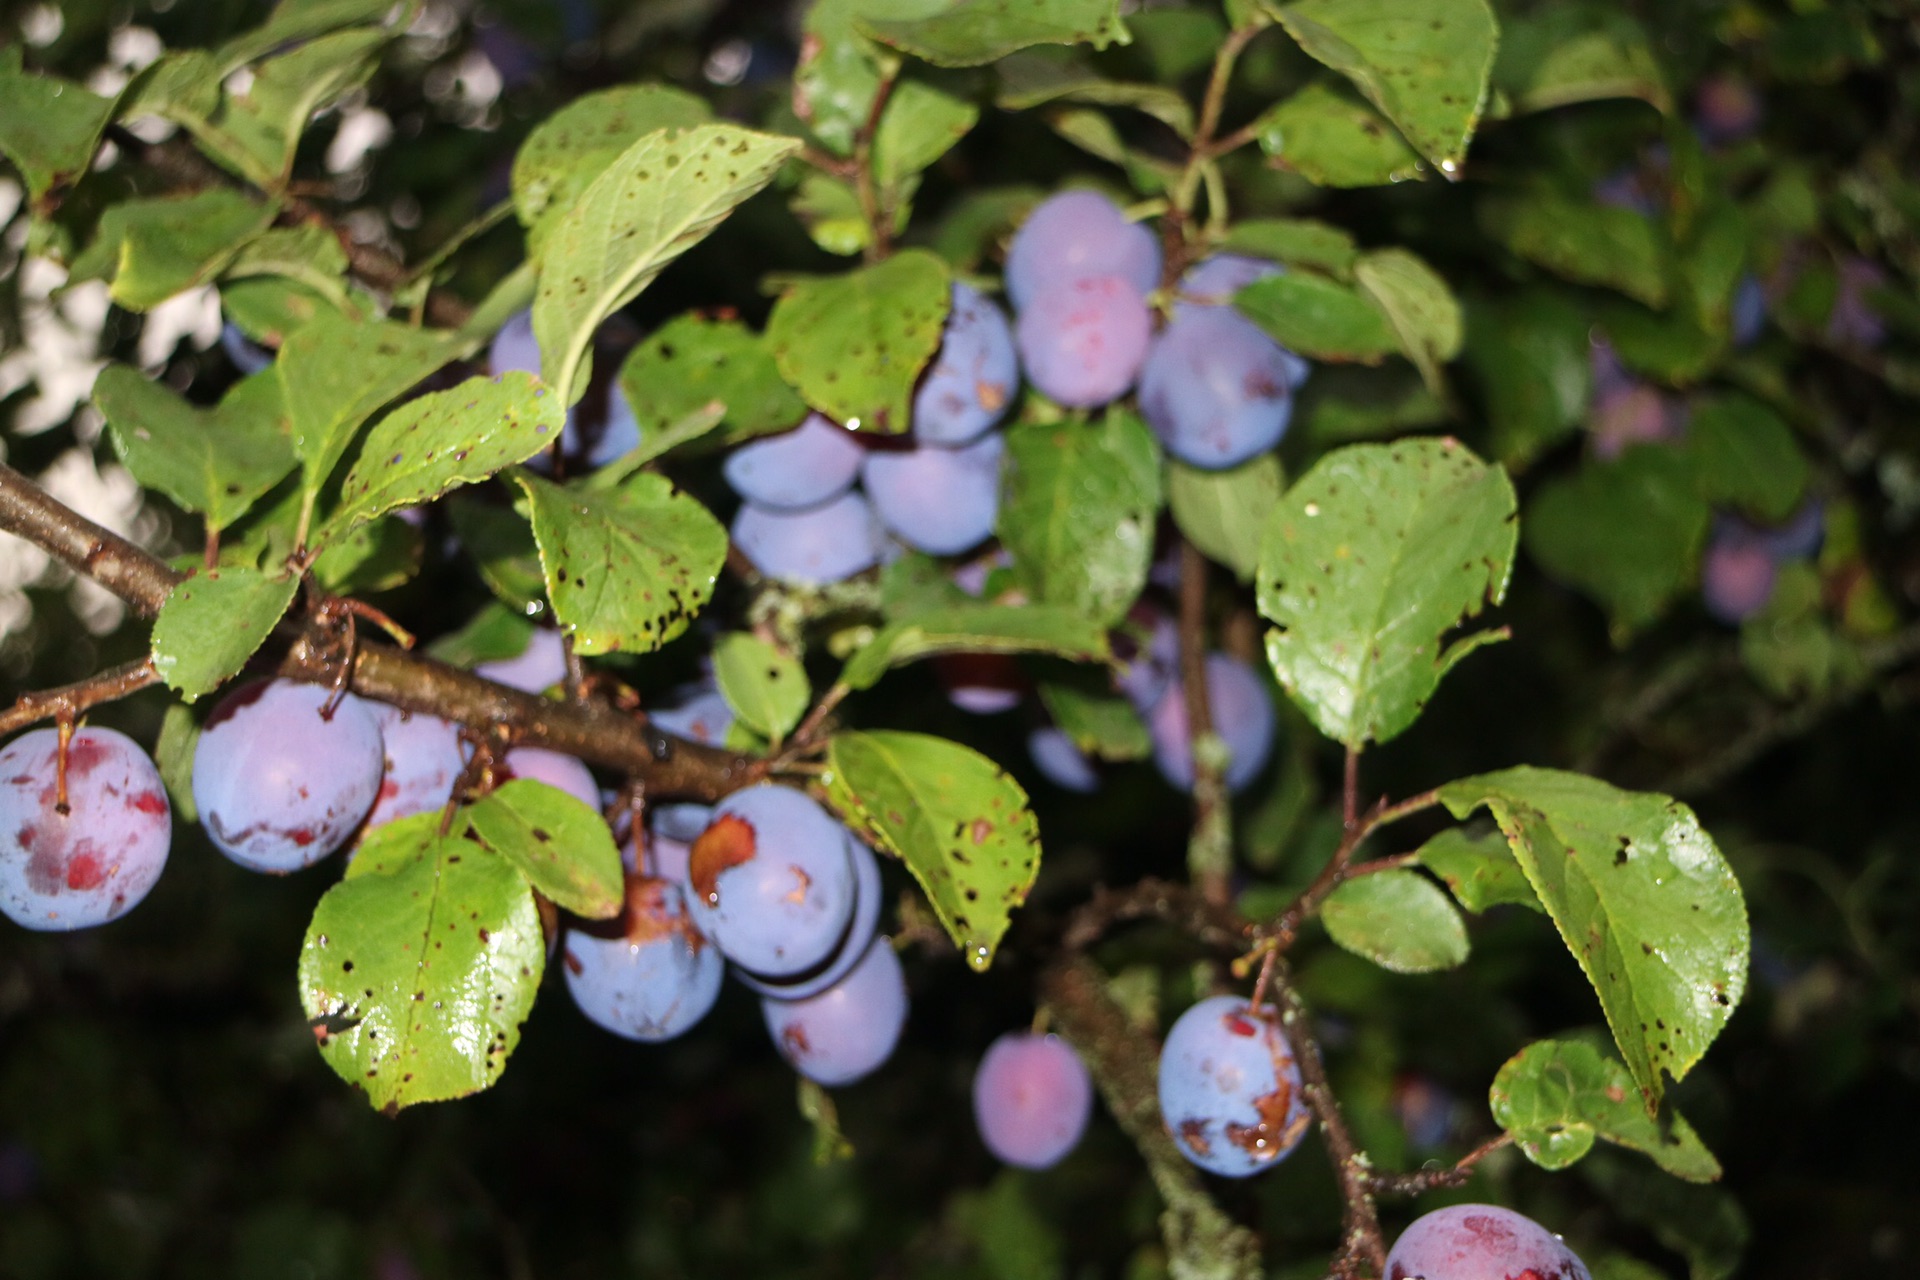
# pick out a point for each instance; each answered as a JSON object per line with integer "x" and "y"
{"x": 867, "y": 894}
{"x": 92, "y": 861}
{"x": 846, "y": 1032}
{"x": 1480, "y": 1242}
{"x": 974, "y": 375}
{"x": 655, "y": 977}
{"x": 1230, "y": 1089}
{"x": 280, "y": 782}
{"x": 772, "y": 882}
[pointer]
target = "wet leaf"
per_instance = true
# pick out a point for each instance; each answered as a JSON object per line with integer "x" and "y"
{"x": 1320, "y": 318}
{"x": 1078, "y": 510}
{"x": 971, "y": 33}
{"x": 1641, "y": 896}
{"x": 49, "y": 127}
{"x": 562, "y": 846}
{"x": 1368, "y": 562}
{"x": 766, "y": 687}
{"x": 336, "y": 373}
{"x": 626, "y": 568}
{"x": 443, "y": 440}
{"x": 1224, "y": 513}
{"x": 1569, "y": 53}
{"x": 1400, "y": 920}
{"x": 976, "y": 628}
{"x": 419, "y": 967}
{"x": 692, "y": 361}
{"x": 1628, "y": 532}
{"x": 656, "y": 200}
{"x": 1479, "y": 868}
{"x": 958, "y": 820}
{"x": 1556, "y": 1096}
{"x": 215, "y": 463}
{"x": 150, "y": 249}
{"x": 213, "y": 621}
{"x": 570, "y": 148}
{"x": 1424, "y": 63}
{"x": 854, "y": 344}
{"x": 257, "y": 132}
{"x": 1333, "y": 139}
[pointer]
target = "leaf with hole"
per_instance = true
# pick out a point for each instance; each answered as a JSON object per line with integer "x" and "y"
{"x": 1556, "y": 1096}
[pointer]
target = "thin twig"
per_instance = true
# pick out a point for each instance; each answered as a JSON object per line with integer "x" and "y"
{"x": 73, "y": 700}
{"x": 1421, "y": 1181}
{"x": 879, "y": 220}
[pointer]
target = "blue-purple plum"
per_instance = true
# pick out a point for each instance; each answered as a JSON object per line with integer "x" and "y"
{"x": 554, "y": 768}
{"x": 1242, "y": 713}
{"x": 1425, "y": 1109}
{"x": 1737, "y": 571}
{"x": 424, "y": 757}
{"x": 982, "y": 684}
{"x": 248, "y": 356}
{"x": 1480, "y": 1242}
{"x": 823, "y": 544}
{"x": 1230, "y": 1089}
{"x": 680, "y": 820}
{"x": 699, "y": 714}
{"x": 1214, "y": 280}
{"x": 804, "y": 467}
{"x": 1082, "y": 341}
{"x": 1061, "y": 761}
{"x": 514, "y": 349}
{"x": 973, "y": 376}
{"x": 1726, "y": 109}
{"x": 936, "y": 499}
{"x": 773, "y": 885}
{"x": 279, "y": 784}
{"x": 867, "y": 892}
{"x": 1853, "y": 322}
{"x": 599, "y": 439}
{"x": 1800, "y": 536}
{"x": 1216, "y": 389}
{"x": 537, "y": 668}
{"x": 1077, "y": 234}
{"x": 1032, "y": 1097}
{"x": 1748, "y": 311}
{"x": 1633, "y": 414}
{"x": 1153, "y": 662}
{"x": 653, "y": 981}
{"x": 847, "y": 1031}
{"x": 97, "y": 859}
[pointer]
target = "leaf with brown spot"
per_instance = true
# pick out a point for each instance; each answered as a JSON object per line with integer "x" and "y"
{"x": 560, "y": 844}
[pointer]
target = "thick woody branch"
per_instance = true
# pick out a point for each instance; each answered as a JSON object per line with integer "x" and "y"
{"x": 599, "y": 734}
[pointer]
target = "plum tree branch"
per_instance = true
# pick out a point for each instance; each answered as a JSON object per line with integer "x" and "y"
{"x": 595, "y": 732}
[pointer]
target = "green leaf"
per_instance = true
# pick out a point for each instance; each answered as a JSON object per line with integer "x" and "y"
{"x": 1224, "y": 513}
{"x": 957, "y": 819}
{"x": 1424, "y": 63}
{"x": 1078, "y": 511}
{"x": 1568, "y": 53}
{"x": 1333, "y": 139}
{"x": 1368, "y": 561}
{"x": 1040, "y": 76}
{"x": 570, "y": 148}
{"x": 971, "y": 33}
{"x": 256, "y": 133}
{"x": 1641, "y": 896}
{"x": 838, "y": 77}
{"x": 626, "y": 568}
{"x": 307, "y": 255}
{"x": 1296, "y": 242}
{"x": 419, "y": 967}
{"x": 1556, "y": 1096}
{"x": 270, "y": 309}
{"x": 443, "y": 440}
{"x": 151, "y": 249}
{"x": 173, "y": 756}
{"x": 1479, "y": 868}
{"x": 1400, "y": 920}
{"x": 502, "y": 546}
{"x": 561, "y": 845}
{"x": 215, "y": 463}
{"x": 1101, "y": 723}
{"x": 766, "y": 687}
{"x": 1746, "y": 457}
{"x": 656, "y": 200}
{"x": 1628, "y": 532}
{"x": 692, "y": 361}
{"x": 854, "y": 344}
{"x": 336, "y": 373}
{"x": 494, "y": 632}
{"x": 921, "y": 123}
{"x": 1419, "y": 306}
{"x": 829, "y": 208}
{"x": 1342, "y": 403}
{"x": 1583, "y": 242}
{"x": 1320, "y": 318}
{"x": 49, "y": 127}
{"x": 976, "y": 628}
{"x": 1530, "y": 354}
{"x": 377, "y": 556}
{"x": 213, "y": 621}
{"x": 293, "y": 20}
{"x": 695, "y": 426}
